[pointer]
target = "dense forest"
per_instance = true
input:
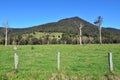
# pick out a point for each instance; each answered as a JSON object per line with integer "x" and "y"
{"x": 61, "y": 32}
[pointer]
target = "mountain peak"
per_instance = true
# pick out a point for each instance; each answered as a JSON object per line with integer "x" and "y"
{"x": 71, "y": 18}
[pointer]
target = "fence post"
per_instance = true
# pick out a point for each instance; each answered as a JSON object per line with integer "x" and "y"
{"x": 58, "y": 61}
{"x": 110, "y": 61}
{"x": 16, "y": 61}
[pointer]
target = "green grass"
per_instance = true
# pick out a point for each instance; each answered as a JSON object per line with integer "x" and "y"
{"x": 86, "y": 62}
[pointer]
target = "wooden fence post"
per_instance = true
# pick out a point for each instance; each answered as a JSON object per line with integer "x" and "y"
{"x": 110, "y": 61}
{"x": 16, "y": 61}
{"x": 58, "y": 61}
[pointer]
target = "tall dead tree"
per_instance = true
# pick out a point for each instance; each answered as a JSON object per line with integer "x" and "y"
{"x": 79, "y": 28}
{"x": 98, "y": 22}
{"x": 6, "y": 32}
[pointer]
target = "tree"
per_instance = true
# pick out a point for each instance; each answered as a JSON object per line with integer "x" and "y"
{"x": 47, "y": 39}
{"x": 2, "y": 41}
{"x": 23, "y": 42}
{"x": 64, "y": 38}
{"x": 79, "y": 27}
{"x": 6, "y": 32}
{"x": 98, "y": 22}
{"x": 19, "y": 38}
{"x": 54, "y": 41}
{"x": 40, "y": 40}
{"x": 35, "y": 41}
{"x": 10, "y": 40}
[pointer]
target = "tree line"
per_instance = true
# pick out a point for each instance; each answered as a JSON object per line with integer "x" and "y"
{"x": 63, "y": 39}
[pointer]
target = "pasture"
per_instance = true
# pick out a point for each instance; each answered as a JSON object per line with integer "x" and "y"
{"x": 39, "y": 62}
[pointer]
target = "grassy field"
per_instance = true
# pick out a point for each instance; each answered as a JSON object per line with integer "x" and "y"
{"x": 86, "y": 62}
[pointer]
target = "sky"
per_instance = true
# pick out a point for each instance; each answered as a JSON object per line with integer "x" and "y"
{"x": 28, "y": 13}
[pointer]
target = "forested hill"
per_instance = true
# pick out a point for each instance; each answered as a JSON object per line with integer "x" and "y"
{"x": 67, "y": 26}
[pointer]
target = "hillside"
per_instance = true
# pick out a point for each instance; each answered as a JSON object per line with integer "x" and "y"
{"x": 67, "y": 26}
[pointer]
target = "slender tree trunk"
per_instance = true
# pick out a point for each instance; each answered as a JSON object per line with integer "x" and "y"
{"x": 80, "y": 35}
{"x": 6, "y": 31}
{"x": 100, "y": 34}
{"x": 79, "y": 28}
{"x": 99, "y": 22}
{"x": 6, "y": 38}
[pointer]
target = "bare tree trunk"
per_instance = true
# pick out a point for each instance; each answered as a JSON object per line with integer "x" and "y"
{"x": 100, "y": 34}
{"x": 6, "y": 31}
{"x": 6, "y": 38}
{"x": 99, "y": 22}
{"x": 80, "y": 35}
{"x": 79, "y": 28}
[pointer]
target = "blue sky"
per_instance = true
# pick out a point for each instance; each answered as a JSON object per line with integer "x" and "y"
{"x": 27, "y": 13}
